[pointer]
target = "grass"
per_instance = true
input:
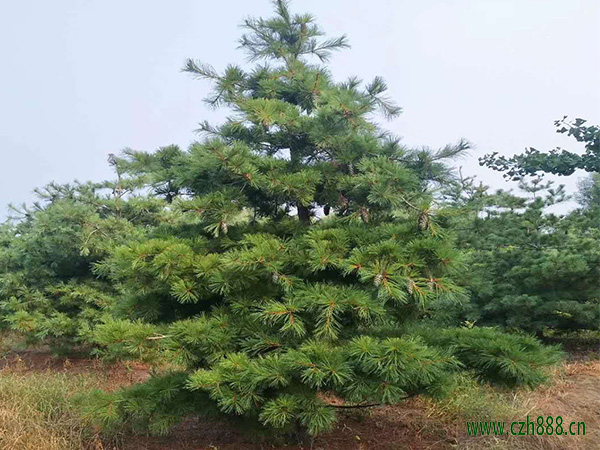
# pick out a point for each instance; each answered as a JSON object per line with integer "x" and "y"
{"x": 572, "y": 392}
{"x": 37, "y": 412}
{"x": 472, "y": 400}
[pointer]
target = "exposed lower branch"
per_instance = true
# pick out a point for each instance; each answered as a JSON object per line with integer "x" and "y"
{"x": 368, "y": 405}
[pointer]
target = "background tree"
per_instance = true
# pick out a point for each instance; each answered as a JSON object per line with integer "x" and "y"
{"x": 47, "y": 288}
{"x": 589, "y": 193}
{"x": 529, "y": 269}
{"x": 556, "y": 161}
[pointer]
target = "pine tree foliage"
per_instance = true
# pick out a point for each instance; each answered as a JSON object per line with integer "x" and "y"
{"x": 506, "y": 359}
{"x": 47, "y": 288}
{"x": 298, "y": 229}
{"x": 529, "y": 269}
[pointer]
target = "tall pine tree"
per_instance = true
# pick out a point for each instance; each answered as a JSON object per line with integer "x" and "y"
{"x": 299, "y": 247}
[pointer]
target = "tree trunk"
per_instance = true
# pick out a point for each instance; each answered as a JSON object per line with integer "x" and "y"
{"x": 304, "y": 214}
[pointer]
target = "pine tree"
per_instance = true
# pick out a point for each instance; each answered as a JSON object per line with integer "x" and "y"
{"x": 300, "y": 246}
{"x": 48, "y": 291}
{"x": 529, "y": 269}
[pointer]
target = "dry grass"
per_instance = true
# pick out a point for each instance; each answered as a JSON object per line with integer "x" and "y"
{"x": 36, "y": 412}
{"x": 573, "y": 394}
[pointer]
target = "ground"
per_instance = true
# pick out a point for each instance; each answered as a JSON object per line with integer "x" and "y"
{"x": 573, "y": 393}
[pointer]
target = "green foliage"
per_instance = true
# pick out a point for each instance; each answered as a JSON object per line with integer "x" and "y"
{"x": 589, "y": 193}
{"x": 527, "y": 268}
{"x": 155, "y": 405}
{"x": 506, "y": 359}
{"x": 557, "y": 161}
{"x": 47, "y": 288}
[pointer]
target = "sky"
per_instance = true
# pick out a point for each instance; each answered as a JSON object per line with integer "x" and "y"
{"x": 84, "y": 78}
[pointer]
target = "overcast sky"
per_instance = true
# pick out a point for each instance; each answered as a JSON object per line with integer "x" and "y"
{"x": 84, "y": 78}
